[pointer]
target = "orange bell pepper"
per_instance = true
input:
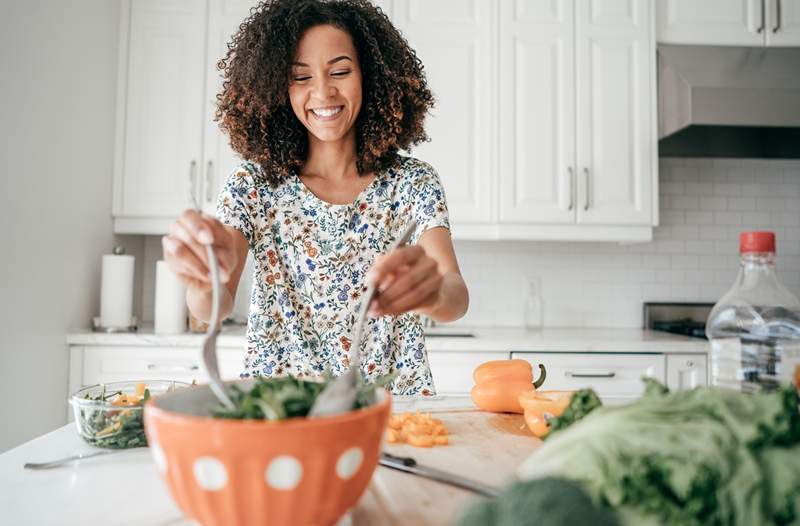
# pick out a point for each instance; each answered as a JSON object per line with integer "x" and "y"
{"x": 499, "y": 383}
{"x": 541, "y": 405}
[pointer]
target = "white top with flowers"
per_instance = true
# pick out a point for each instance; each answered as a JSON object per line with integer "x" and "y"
{"x": 310, "y": 261}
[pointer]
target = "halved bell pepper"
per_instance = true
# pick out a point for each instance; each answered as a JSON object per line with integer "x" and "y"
{"x": 499, "y": 383}
{"x": 539, "y": 406}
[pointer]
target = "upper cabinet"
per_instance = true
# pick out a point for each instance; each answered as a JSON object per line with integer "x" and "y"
{"x": 169, "y": 151}
{"x": 729, "y": 22}
{"x": 544, "y": 124}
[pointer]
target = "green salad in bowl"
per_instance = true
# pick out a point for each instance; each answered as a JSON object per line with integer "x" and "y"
{"x": 110, "y": 415}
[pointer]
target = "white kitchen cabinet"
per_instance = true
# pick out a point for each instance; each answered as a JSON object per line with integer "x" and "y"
{"x": 168, "y": 146}
{"x": 729, "y": 22}
{"x": 783, "y": 23}
{"x": 537, "y": 112}
{"x": 454, "y": 40}
{"x": 617, "y": 378}
{"x": 616, "y": 158}
{"x": 686, "y": 371}
{"x": 577, "y": 110}
{"x": 160, "y": 142}
{"x": 452, "y": 370}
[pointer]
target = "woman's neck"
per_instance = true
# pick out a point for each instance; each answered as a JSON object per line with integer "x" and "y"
{"x": 334, "y": 161}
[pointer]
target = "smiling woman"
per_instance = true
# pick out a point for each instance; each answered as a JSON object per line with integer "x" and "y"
{"x": 318, "y": 98}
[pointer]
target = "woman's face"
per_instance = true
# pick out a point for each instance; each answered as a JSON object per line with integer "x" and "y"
{"x": 325, "y": 83}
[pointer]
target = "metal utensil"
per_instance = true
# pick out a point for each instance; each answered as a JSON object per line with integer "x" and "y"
{"x": 210, "y": 341}
{"x": 67, "y": 460}
{"x": 340, "y": 394}
{"x": 409, "y": 465}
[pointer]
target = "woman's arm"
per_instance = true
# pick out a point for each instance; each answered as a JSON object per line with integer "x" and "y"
{"x": 424, "y": 278}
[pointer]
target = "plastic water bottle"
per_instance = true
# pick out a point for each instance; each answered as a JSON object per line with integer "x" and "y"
{"x": 755, "y": 328}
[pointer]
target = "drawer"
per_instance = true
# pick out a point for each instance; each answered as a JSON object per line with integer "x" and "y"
{"x": 452, "y": 371}
{"x": 615, "y": 377}
{"x": 112, "y": 364}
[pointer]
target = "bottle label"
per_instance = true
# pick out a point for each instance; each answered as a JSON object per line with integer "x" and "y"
{"x": 726, "y": 363}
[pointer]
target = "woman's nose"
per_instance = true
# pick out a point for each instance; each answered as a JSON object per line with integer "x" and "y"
{"x": 324, "y": 89}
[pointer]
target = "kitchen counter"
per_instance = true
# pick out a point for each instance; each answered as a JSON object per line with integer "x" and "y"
{"x": 124, "y": 488}
{"x": 442, "y": 339}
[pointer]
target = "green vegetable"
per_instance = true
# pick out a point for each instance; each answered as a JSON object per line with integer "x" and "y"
{"x": 547, "y": 501}
{"x": 704, "y": 456}
{"x": 287, "y": 397}
{"x": 581, "y": 403}
{"x": 119, "y": 427}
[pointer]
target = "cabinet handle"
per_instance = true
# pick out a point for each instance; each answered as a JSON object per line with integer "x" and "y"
{"x": 209, "y": 180}
{"x": 690, "y": 364}
{"x": 777, "y": 16}
{"x": 588, "y": 188}
{"x": 193, "y": 181}
{"x": 174, "y": 368}
{"x": 590, "y": 375}
{"x": 571, "y": 172}
{"x": 763, "y": 16}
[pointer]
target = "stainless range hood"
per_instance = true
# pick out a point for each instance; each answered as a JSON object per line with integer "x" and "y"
{"x": 716, "y": 101}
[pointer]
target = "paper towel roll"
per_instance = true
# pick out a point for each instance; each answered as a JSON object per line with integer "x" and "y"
{"x": 171, "y": 310}
{"x": 116, "y": 291}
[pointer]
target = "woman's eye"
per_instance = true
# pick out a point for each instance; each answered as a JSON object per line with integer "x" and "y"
{"x": 301, "y": 78}
{"x": 340, "y": 73}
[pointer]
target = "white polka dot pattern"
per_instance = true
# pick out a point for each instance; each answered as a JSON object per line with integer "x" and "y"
{"x": 349, "y": 462}
{"x": 159, "y": 457}
{"x": 284, "y": 472}
{"x": 210, "y": 473}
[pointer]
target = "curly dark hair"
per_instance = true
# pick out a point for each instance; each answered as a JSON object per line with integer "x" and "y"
{"x": 254, "y": 108}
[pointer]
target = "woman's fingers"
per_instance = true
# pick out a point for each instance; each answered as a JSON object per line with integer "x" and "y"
{"x": 424, "y": 294}
{"x": 406, "y": 281}
{"x": 189, "y": 251}
{"x": 182, "y": 260}
{"x": 390, "y": 263}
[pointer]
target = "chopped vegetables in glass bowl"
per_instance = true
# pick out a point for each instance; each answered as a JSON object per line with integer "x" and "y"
{"x": 110, "y": 415}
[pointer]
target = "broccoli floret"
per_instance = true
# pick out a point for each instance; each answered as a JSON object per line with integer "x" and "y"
{"x": 537, "y": 502}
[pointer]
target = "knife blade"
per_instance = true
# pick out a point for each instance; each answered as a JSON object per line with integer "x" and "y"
{"x": 409, "y": 465}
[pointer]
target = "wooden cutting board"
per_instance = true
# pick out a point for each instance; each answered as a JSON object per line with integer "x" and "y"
{"x": 485, "y": 446}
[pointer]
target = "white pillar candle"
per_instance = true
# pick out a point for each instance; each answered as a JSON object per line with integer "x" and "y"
{"x": 171, "y": 310}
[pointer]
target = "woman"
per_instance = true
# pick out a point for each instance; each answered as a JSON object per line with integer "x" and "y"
{"x": 319, "y": 97}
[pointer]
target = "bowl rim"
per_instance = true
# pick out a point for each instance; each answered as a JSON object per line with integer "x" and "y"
{"x": 76, "y": 399}
{"x": 298, "y": 422}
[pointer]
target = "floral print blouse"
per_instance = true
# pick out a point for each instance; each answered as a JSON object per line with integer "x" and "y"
{"x": 308, "y": 278}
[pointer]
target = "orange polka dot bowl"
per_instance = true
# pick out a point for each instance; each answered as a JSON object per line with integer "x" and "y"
{"x": 299, "y": 471}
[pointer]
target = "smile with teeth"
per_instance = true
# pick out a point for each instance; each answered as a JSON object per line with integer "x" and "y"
{"x": 329, "y": 112}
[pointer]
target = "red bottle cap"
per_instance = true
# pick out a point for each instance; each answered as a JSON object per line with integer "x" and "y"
{"x": 750, "y": 242}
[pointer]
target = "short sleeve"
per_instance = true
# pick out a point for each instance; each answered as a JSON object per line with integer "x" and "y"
{"x": 236, "y": 202}
{"x": 428, "y": 203}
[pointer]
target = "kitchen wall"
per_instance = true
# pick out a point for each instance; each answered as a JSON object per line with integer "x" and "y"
{"x": 704, "y": 205}
{"x": 58, "y": 82}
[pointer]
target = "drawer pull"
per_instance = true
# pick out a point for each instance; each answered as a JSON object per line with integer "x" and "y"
{"x": 589, "y": 375}
{"x": 174, "y": 368}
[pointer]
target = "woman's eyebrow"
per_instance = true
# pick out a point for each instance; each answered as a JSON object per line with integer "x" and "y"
{"x": 331, "y": 61}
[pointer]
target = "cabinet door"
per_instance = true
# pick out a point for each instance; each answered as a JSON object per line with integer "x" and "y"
{"x": 783, "y": 23}
{"x": 218, "y": 158}
{"x": 686, "y": 371}
{"x": 616, "y": 142}
{"x": 116, "y": 364}
{"x": 712, "y": 22}
{"x": 452, "y": 371}
{"x": 164, "y": 107}
{"x": 616, "y": 378}
{"x": 537, "y": 112}
{"x": 453, "y": 38}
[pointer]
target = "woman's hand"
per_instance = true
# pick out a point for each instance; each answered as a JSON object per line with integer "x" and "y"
{"x": 185, "y": 249}
{"x": 407, "y": 279}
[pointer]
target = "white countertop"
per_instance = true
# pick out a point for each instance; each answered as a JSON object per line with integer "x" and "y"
{"x": 123, "y": 488}
{"x": 501, "y": 340}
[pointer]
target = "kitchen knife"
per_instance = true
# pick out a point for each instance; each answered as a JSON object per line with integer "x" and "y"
{"x": 409, "y": 465}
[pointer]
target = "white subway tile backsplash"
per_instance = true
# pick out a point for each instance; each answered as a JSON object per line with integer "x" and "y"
{"x": 704, "y": 205}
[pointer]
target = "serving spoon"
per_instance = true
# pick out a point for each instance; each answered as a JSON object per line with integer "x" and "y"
{"x": 339, "y": 396}
{"x": 210, "y": 342}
